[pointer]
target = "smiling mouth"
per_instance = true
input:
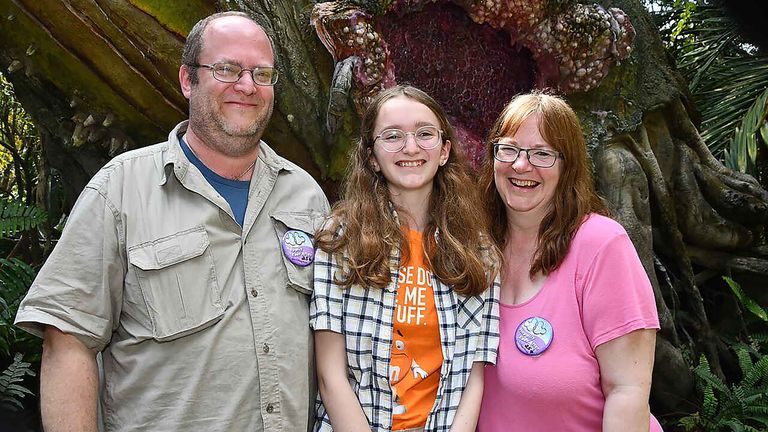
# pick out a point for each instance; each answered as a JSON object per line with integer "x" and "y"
{"x": 527, "y": 184}
{"x": 241, "y": 104}
{"x": 409, "y": 164}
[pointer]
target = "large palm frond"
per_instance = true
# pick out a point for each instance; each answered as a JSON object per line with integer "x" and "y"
{"x": 726, "y": 75}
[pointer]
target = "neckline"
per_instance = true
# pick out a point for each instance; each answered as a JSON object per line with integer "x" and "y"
{"x": 530, "y": 300}
{"x": 211, "y": 174}
{"x": 411, "y": 230}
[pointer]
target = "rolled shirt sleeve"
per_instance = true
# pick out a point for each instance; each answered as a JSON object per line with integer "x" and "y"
{"x": 488, "y": 343}
{"x": 79, "y": 288}
{"x": 326, "y": 306}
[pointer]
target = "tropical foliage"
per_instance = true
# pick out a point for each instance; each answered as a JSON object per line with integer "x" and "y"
{"x": 742, "y": 403}
{"x": 12, "y": 390}
{"x": 26, "y": 236}
{"x": 726, "y": 76}
{"x": 743, "y": 406}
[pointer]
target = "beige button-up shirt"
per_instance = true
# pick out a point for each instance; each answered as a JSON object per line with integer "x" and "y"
{"x": 203, "y": 325}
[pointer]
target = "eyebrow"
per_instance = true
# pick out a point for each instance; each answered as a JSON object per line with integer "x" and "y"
{"x": 418, "y": 125}
{"x": 237, "y": 63}
{"x": 514, "y": 142}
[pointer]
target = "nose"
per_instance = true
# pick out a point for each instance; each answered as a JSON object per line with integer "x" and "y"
{"x": 522, "y": 163}
{"x": 244, "y": 83}
{"x": 410, "y": 146}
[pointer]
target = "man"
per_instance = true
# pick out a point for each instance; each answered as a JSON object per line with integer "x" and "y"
{"x": 187, "y": 265}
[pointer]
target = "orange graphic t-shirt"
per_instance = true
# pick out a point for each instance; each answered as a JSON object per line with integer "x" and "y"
{"x": 417, "y": 356}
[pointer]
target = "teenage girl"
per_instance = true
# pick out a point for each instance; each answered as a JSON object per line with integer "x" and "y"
{"x": 405, "y": 308}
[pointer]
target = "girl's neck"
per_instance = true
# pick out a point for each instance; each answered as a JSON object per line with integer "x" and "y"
{"x": 412, "y": 210}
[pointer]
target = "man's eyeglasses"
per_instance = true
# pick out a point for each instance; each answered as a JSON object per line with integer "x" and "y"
{"x": 541, "y": 158}
{"x": 230, "y": 73}
{"x": 393, "y": 140}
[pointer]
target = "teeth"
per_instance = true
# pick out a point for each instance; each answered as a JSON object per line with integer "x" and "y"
{"x": 524, "y": 183}
{"x": 410, "y": 163}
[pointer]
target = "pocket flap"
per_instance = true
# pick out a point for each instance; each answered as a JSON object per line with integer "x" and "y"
{"x": 170, "y": 250}
{"x": 299, "y": 276}
{"x": 298, "y": 221}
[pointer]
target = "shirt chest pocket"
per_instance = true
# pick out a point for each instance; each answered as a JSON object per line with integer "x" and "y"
{"x": 177, "y": 278}
{"x": 294, "y": 232}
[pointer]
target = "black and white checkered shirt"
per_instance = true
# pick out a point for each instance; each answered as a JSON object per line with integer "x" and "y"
{"x": 469, "y": 332}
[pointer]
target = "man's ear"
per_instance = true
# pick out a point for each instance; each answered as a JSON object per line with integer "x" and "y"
{"x": 185, "y": 81}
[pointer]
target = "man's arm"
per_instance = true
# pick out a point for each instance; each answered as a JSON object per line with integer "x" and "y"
{"x": 68, "y": 384}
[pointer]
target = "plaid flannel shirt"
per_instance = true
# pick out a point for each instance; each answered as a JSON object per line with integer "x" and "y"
{"x": 469, "y": 332}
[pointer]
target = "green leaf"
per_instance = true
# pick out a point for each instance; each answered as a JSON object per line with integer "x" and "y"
{"x": 746, "y": 301}
{"x": 16, "y": 217}
{"x": 11, "y": 390}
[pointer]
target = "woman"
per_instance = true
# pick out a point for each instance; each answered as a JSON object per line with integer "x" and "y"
{"x": 404, "y": 308}
{"x": 578, "y": 319}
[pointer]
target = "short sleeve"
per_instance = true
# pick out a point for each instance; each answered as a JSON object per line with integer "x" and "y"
{"x": 617, "y": 294}
{"x": 325, "y": 308}
{"x": 488, "y": 344}
{"x": 79, "y": 289}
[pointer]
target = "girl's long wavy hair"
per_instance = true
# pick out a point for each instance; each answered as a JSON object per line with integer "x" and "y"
{"x": 363, "y": 230}
{"x": 575, "y": 195}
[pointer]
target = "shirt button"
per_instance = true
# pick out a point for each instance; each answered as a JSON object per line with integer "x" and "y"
{"x": 270, "y": 408}
{"x": 266, "y": 348}
{"x": 254, "y": 292}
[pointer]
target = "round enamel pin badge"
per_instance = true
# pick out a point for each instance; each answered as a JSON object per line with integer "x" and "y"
{"x": 533, "y": 336}
{"x": 297, "y": 247}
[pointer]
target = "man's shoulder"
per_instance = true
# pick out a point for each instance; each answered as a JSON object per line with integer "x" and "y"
{"x": 137, "y": 165}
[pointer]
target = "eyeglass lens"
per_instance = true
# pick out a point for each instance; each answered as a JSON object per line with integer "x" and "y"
{"x": 262, "y": 75}
{"x": 393, "y": 140}
{"x": 541, "y": 158}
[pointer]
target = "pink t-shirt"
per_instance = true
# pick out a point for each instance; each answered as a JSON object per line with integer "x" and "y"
{"x": 599, "y": 292}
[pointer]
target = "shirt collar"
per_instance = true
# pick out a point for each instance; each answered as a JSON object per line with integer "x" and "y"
{"x": 175, "y": 158}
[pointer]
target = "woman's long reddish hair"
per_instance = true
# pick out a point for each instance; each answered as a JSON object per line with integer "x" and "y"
{"x": 575, "y": 195}
{"x": 363, "y": 231}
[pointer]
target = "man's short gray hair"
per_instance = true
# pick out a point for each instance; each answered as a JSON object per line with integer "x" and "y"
{"x": 194, "y": 44}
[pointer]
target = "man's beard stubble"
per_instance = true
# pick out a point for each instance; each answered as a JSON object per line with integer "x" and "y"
{"x": 212, "y": 128}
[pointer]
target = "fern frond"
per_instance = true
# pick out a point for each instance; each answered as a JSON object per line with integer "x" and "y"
{"x": 758, "y": 373}
{"x": 745, "y": 360}
{"x": 704, "y": 372}
{"x": 758, "y": 414}
{"x": 16, "y": 217}
{"x": 737, "y": 426}
{"x": 709, "y": 405}
{"x": 11, "y": 390}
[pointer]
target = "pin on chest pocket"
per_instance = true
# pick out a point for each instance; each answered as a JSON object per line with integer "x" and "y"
{"x": 294, "y": 231}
